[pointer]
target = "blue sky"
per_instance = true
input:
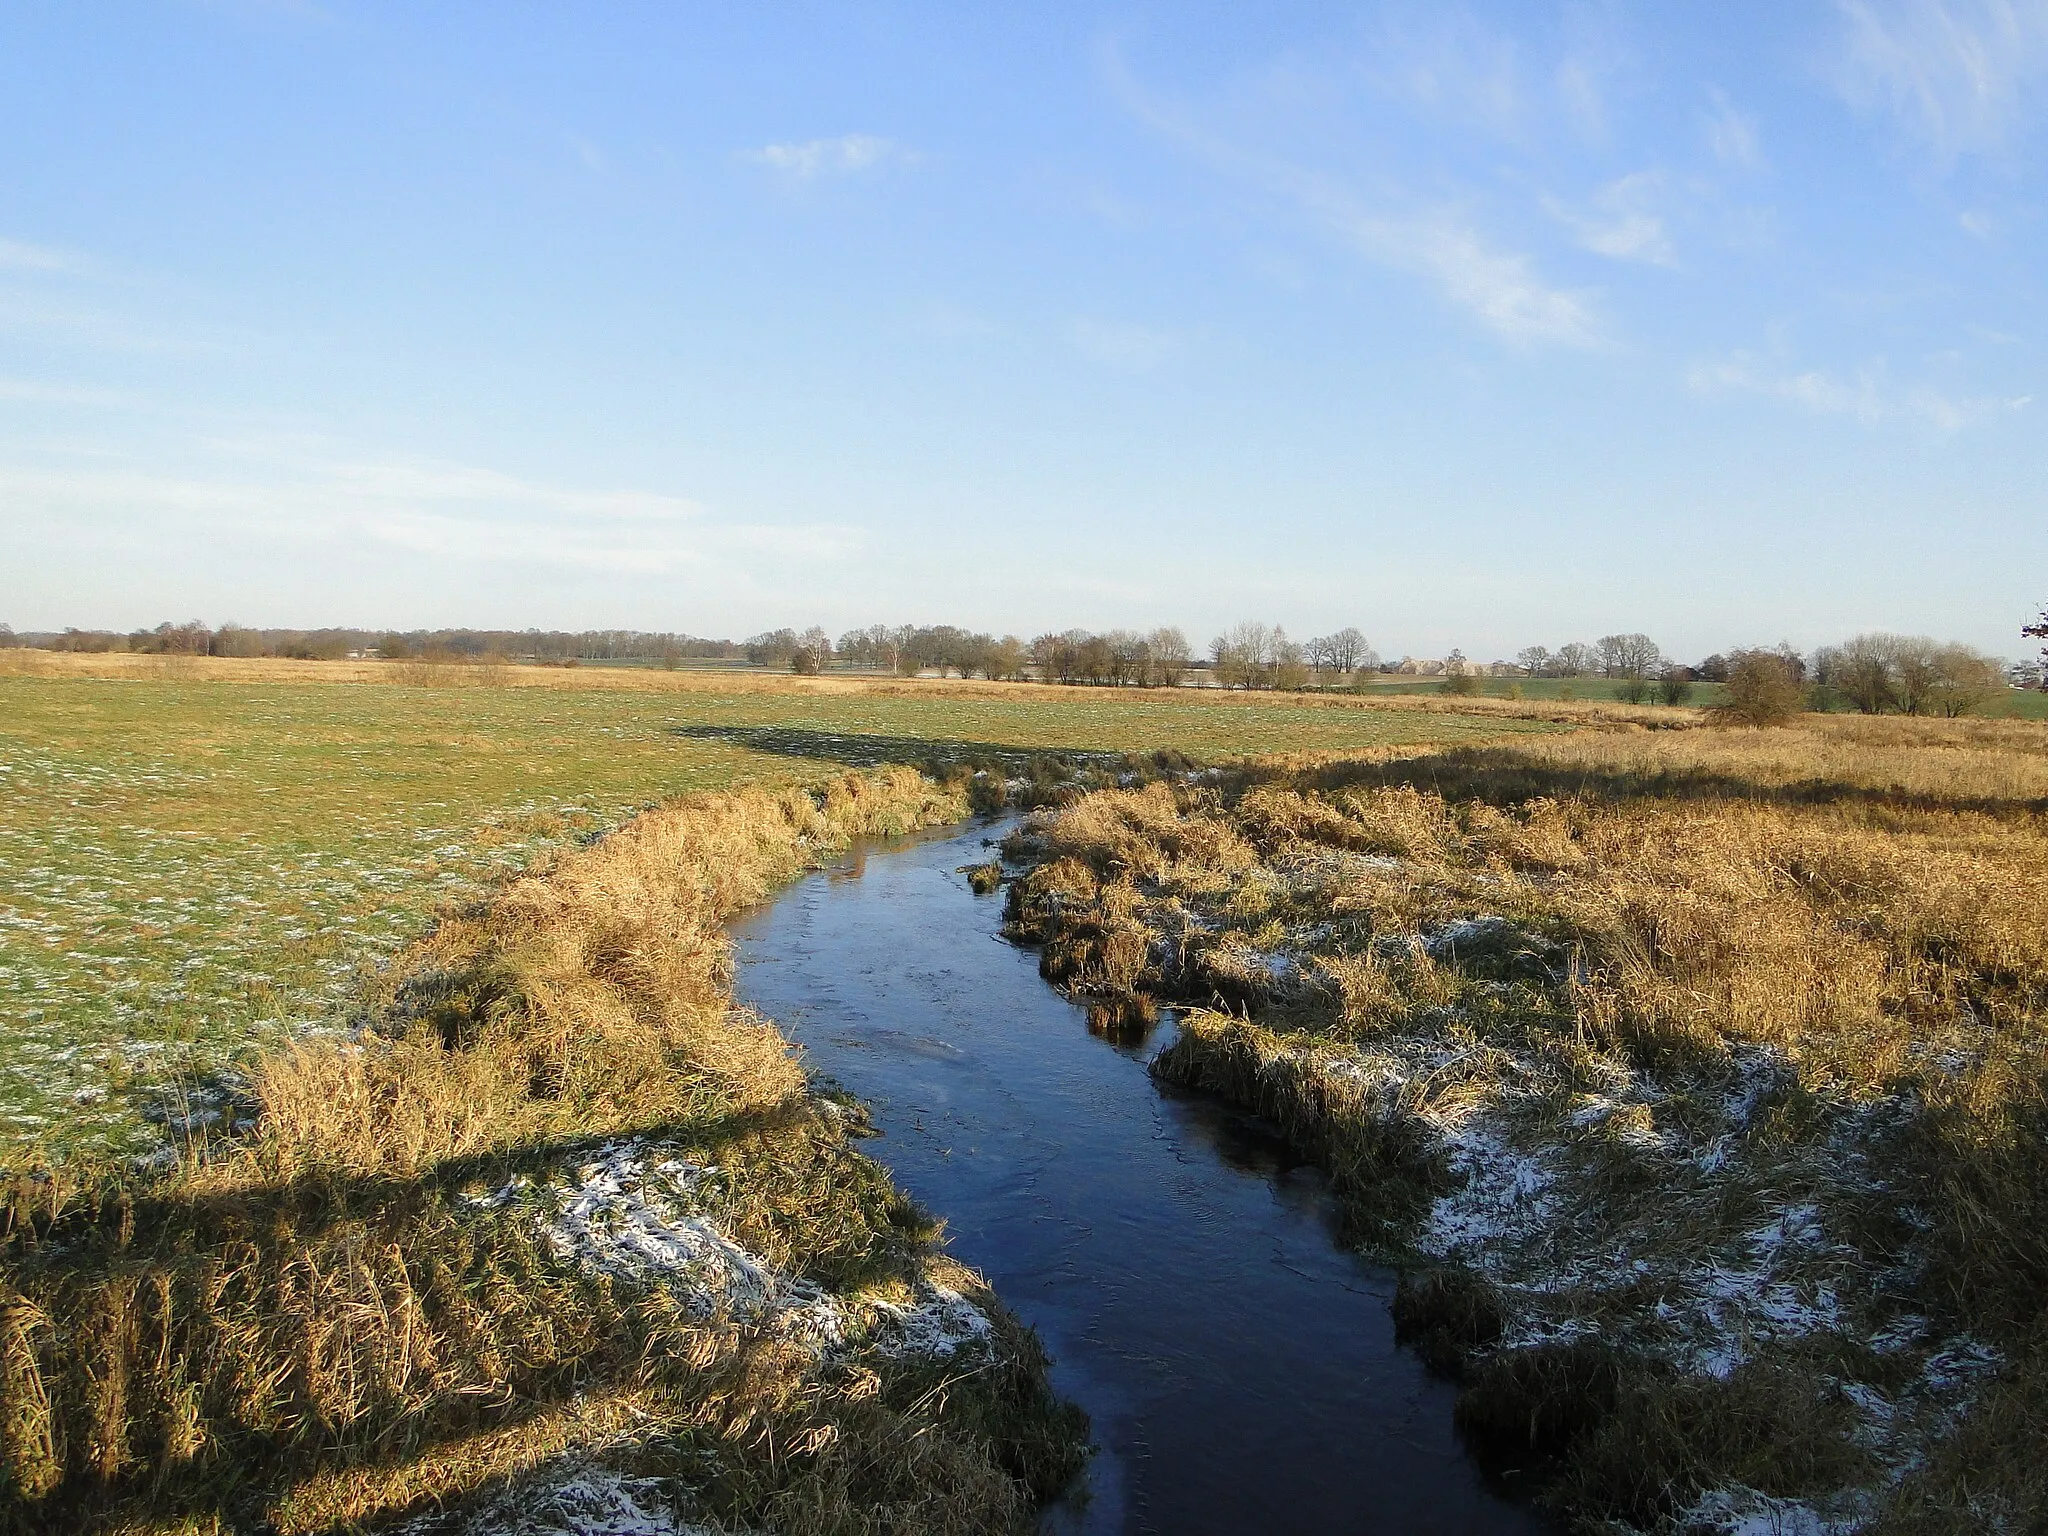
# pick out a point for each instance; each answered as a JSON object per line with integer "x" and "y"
{"x": 1475, "y": 326}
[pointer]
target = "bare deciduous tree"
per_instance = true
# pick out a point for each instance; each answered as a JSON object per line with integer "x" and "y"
{"x": 1244, "y": 656}
{"x": 1629, "y": 656}
{"x": 1169, "y": 656}
{"x": 1575, "y": 660}
{"x": 1290, "y": 663}
{"x": 1965, "y": 680}
{"x": 1345, "y": 651}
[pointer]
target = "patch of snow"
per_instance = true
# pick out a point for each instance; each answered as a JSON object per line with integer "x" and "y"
{"x": 1468, "y": 932}
{"x": 584, "y": 1500}
{"x": 1959, "y": 1363}
{"x": 1503, "y": 1202}
{"x": 1745, "y": 1512}
{"x": 625, "y": 1210}
{"x": 1724, "y": 1309}
{"x": 625, "y": 1214}
{"x": 940, "y": 1323}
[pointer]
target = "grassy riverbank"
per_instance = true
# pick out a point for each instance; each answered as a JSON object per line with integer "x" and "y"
{"x": 547, "y": 1231}
{"x": 1695, "y": 1078}
{"x": 561, "y": 1231}
{"x": 199, "y": 855}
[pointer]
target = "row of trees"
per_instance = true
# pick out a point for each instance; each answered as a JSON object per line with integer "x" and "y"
{"x": 197, "y": 638}
{"x": 909, "y": 649}
{"x": 1874, "y": 673}
{"x": 1117, "y": 658}
{"x": 1623, "y": 656}
{"x": 1909, "y": 675}
{"x": 1255, "y": 655}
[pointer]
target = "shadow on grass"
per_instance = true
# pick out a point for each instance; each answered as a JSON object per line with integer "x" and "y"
{"x": 1498, "y": 775}
{"x": 254, "y": 1293}
{"x": 866, "y": 751}
{"x": 1502, "y": 776}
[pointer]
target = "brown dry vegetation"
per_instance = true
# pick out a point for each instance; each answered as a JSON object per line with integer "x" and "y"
{"x": 305, "y": 1325}
{"x": 1697, "y": 1079}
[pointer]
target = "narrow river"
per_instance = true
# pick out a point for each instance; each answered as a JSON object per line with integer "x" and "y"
{"x": 1238, "y": 1365}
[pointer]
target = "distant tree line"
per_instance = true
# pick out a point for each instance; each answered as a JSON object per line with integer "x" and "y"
{"x": 1909, "y": 675}
{"x": 1873, "y": 673}
{"x": 199, "y": 639}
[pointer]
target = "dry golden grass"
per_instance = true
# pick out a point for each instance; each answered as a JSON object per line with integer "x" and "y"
{"x": 1755, "y": 1017}
{"x": 306, "y": 1327}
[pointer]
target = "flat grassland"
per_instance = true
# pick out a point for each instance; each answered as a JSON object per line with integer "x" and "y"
{"x": 198, "y": 854}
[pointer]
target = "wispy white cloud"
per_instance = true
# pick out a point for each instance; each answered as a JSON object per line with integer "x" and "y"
{"x": 1502, "y": 289}
{"x": 825, "y": 157}
{"x": 1619, "y": 220}
{"x": 1962, "y": 76}
{"x": 1732, "y": 135}
{"x": 1448, "y": 64}
{"x": 39, "y": 392}
{"x": 57, "y": 317}
{"x": 1596, "y": 63}
{"x": 20, "y": 256}
{"x": 450, "y": 512}
{"x": 1864, "y": 397}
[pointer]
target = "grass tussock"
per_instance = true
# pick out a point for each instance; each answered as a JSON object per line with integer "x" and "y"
{"x": 1698, "y": 1077}
{"x": 354, "y": 1311}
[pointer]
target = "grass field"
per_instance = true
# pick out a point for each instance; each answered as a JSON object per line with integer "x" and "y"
{"x": 196, "y": 855}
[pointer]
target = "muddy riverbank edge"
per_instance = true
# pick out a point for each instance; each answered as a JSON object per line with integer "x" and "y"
{"x": 557, "y": 1236}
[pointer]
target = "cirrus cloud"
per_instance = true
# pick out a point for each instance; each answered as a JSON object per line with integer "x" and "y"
{"x": 827, "y": 157}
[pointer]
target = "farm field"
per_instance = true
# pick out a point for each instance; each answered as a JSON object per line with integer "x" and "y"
{"x": 196, "y": 857}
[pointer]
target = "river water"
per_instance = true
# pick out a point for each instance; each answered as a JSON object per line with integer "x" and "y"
{"x": 1238, "y": 1365}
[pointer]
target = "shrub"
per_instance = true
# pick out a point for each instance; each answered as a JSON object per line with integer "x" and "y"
{"x": 1461, "y": 685}
{"x": 1761, "y": 689}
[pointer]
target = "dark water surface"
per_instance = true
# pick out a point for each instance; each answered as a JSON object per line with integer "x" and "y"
{"x": 1238, "y": 1365}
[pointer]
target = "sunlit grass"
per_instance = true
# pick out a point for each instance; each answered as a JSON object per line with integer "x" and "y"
{"x": 187, "y": 865}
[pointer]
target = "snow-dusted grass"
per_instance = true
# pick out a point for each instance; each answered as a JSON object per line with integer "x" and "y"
{"x": 189, "y": 867}
{"x": 1692, "y": 1092}
{"x": 638, "y": 1212}
{"x": 581, "y": 1498}
{"x": 559, "y": 1204}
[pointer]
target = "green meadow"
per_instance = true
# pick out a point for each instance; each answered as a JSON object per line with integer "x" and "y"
{"x": 188, "y": 867}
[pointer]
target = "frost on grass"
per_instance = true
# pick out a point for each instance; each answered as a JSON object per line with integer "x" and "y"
{"x": 1745, "y": 1512}
{"x": 940, "y": 1323}
{"x": 1697, "y": 1218}
{"x": 635, "y": 1211}
{"x": 582, "y": 1499}
{"x": 1594, "y": 1221}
